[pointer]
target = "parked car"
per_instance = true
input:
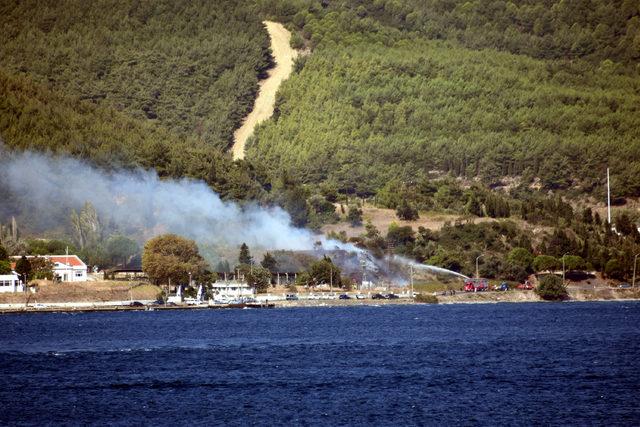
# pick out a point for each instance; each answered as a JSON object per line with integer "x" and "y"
{"x": 624, "y": 286}
{"x": 504, "y": 286}
{"x": 525, "y": 286}
{"x": 291, "y": 297}
{"x": 378, "y": 296}
{"x": 360, "y": 296}
{"x": 391, "y": 296}
{"x": 136, "y": 304}
{"x": 344, "y": 296}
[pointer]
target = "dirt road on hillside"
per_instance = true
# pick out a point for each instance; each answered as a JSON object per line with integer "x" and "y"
{"x": 283, "y": 55}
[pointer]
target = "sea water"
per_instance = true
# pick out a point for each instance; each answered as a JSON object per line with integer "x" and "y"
{"x": 509, "y": 364}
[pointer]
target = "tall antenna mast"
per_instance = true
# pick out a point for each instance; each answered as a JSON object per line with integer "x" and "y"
{"x": 608, "y": 199}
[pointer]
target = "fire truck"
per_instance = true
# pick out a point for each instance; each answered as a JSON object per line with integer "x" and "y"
{"x": 476, "y": 285}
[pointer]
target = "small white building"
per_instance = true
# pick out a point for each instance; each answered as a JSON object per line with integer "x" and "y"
{"x": 231, "y": 290}
{"x": 10, "y": 283}
{"x": 66, "y": 268}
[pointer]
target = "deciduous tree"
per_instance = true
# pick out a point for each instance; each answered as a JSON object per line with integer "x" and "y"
{"x": 551, "y": 288}
{"x": 23, "y": 268}
{"x": 171, "y": 258}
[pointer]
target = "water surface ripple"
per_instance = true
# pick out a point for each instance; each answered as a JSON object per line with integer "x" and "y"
{"x": 493, "y": 364}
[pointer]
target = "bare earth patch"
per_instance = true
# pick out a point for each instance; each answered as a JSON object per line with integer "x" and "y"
{"x": 84, "y": 292}
{"x": 283, "y": 55}
{"x": 381, "y": 218}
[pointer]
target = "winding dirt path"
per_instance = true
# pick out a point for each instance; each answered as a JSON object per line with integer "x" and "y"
{"x": 263, "y": 107}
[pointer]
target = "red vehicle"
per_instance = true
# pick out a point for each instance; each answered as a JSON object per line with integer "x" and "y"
{"x": 476, "y": 285}
{"x": 527, "y": 286}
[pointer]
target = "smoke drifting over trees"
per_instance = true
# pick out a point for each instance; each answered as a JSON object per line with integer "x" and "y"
{"x": 138, "y": 201}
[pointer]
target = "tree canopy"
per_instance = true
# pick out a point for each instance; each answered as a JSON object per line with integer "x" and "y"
{"x": 171, "y": 258}
{"x": 551, "y": 288}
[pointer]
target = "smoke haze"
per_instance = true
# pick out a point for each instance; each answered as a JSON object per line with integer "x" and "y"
{"x": 139, "y": 202}
{"x": 52, "y": 186}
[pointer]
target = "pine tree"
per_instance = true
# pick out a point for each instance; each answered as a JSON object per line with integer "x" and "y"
{"x": 269, "y": 262}
{"x": 245, "y": 256}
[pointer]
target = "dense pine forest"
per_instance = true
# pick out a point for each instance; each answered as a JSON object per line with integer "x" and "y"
{"x": 511, "y": 110}
{"x": 403, "y": 110}
{"x": 193, "y": 67}
{"x": 397, "y": 104}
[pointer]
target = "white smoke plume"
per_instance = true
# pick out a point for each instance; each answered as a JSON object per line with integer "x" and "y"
{"x": 139, "y": 199}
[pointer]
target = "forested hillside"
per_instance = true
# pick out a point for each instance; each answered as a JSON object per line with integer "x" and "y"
{"x": 34, "y": 117}
{"x": 374, "y": 103}
{"x": 361, "y": 114}
{"x": 192, "y": 67}
{"x": 419, "y": 105}
{"x": 565, "y": 29}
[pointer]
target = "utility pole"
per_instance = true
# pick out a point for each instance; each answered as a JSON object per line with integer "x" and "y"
{"x": 635, "y": 260}
{"x": 477, "y": 269}
{"x": 608, "y": 199}
{"x": 331, "y": 278}
{"x": 563, "y": 266}
{"x": 411, "y": 279}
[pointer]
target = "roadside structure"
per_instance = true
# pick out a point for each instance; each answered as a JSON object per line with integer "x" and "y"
{"x": 230, "y": 290}
{"x": 66, "y": 268}
{"x": 10, "y": 283}
{"x": 69, "y": 268}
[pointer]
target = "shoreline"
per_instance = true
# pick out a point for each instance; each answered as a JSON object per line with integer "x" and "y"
{"x": 468, "y": 298}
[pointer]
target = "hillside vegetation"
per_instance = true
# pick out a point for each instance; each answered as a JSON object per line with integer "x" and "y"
{"x": 34, "y": 117}
{"x": 548, "y": 29}
{"x": 363, "y": 110}
{"x": 417, "y": 105}
{"x": 192, "y": 67}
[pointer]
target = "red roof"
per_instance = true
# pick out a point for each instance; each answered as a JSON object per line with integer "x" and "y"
{"x": 71, "y": 260}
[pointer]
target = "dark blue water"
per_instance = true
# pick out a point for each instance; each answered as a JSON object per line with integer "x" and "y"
{"x": 571, "y": 363}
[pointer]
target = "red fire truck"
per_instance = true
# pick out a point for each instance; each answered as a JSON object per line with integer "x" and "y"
{"x": 476, "y": 285}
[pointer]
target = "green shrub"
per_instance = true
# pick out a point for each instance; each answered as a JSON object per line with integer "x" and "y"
{"x": 426, "y": 299}
{"x": 551, "y": 288}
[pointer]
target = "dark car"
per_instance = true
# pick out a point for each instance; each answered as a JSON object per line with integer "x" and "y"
{"x": 344, "y": 296}
{"x": 391, "y": 296}
{"x": 378, "y": 296}
{"x": 136, "y": 304}
{"x": 624, "y": 286}
{"x": 504, "y": 286}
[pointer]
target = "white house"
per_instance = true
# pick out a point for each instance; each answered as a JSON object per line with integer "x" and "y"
{"x": 232, "y": 290}
{"x": 66, "y": 268}
{"x": 10, "y": 283}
